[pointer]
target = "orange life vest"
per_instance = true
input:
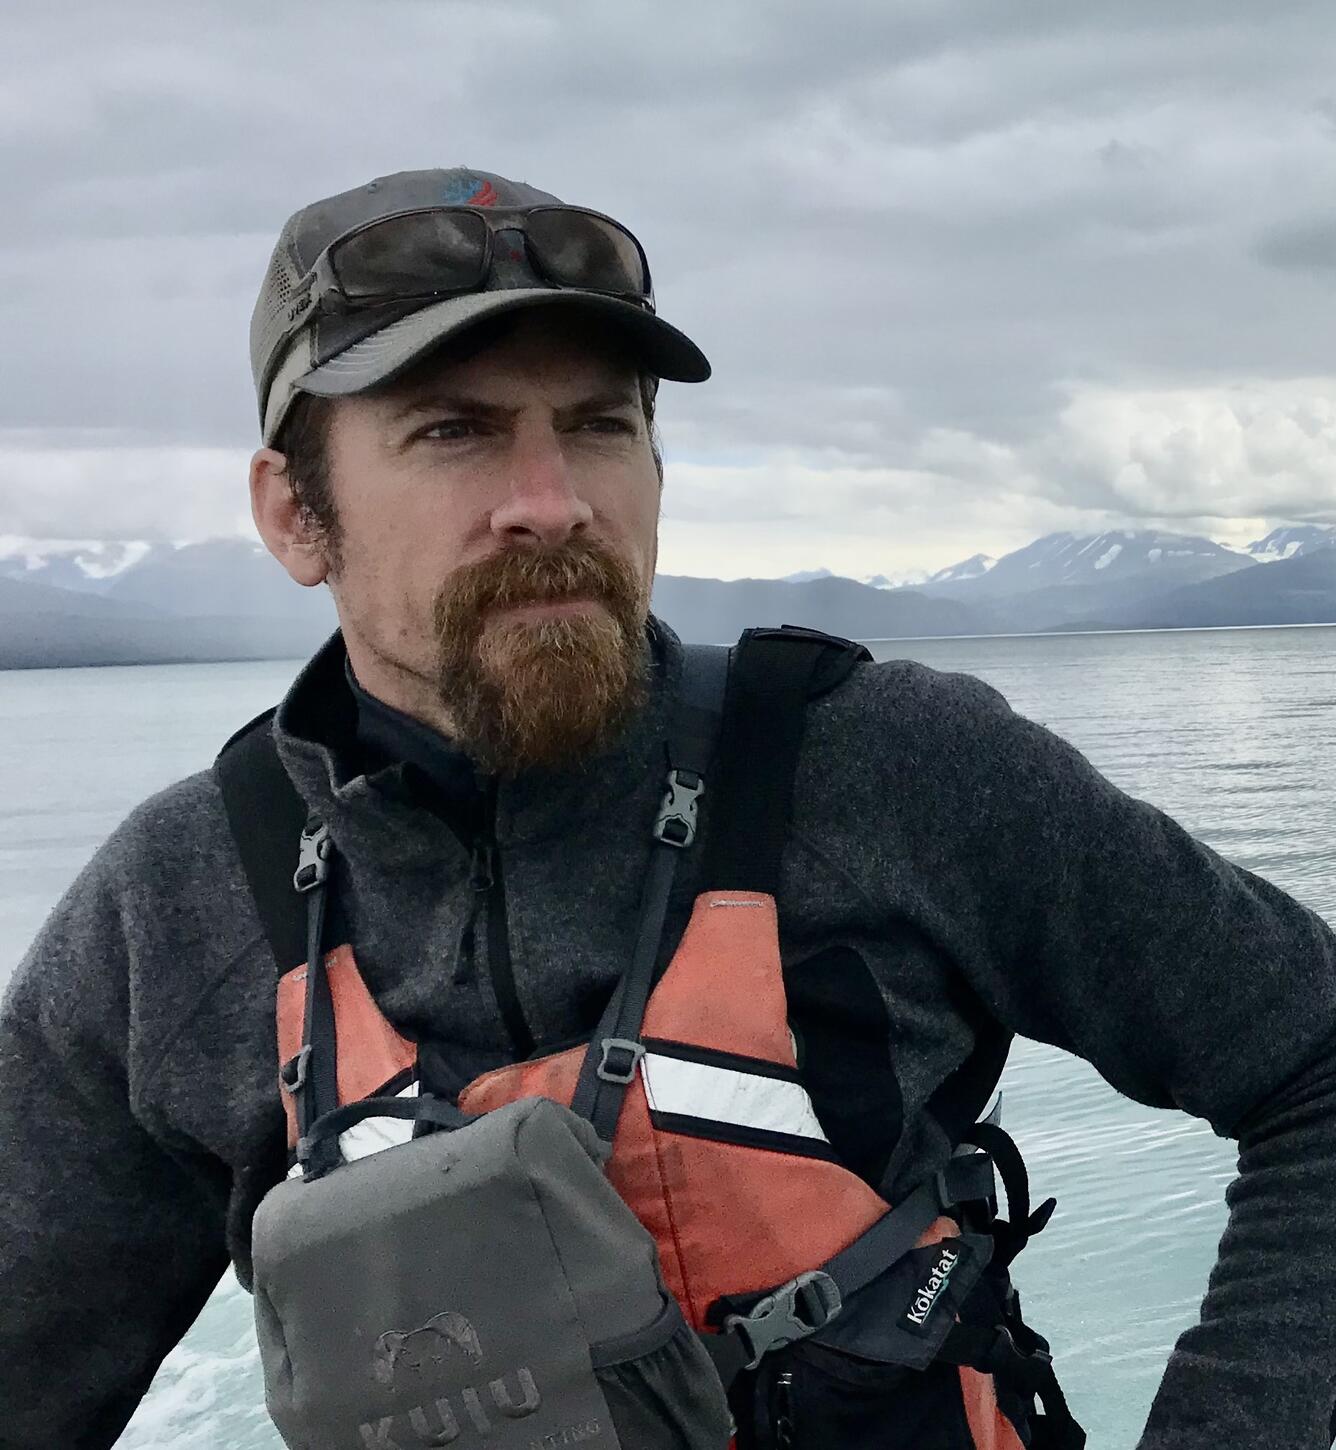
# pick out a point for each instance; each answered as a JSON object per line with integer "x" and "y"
{"x": 718, "y": 1150}
{"x": 717, "y": 1147}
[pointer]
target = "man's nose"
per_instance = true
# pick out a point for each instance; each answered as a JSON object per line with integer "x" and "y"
{"x": 542, "y": 502}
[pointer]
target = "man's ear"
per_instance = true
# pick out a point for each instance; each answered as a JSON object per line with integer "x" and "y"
{"x": 283, "y": 526}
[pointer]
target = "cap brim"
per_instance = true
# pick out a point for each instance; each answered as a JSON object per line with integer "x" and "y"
{"x": 660, "y": 348}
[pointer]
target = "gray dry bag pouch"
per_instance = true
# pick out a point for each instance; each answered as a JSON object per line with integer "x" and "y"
{"x": 484, "y": 1286}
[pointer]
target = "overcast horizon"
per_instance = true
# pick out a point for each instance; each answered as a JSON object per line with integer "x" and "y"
{"x": 967, "y": 273}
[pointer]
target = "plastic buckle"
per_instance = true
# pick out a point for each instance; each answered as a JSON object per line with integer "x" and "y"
{"x": 792, "y": 1312}
{"x": 675, "y": 825}
{"x": 625, "y": 1071}
{"x": 1008, "y": 1361}
{"x": 306, "y": 1159}
{"x": 967, "y": 1178}
{"x": 313, "y": 859}
{"x": 297, "y": 1067}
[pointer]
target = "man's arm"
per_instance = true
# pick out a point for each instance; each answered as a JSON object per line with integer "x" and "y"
{"x": 110, "y": 1241}
{"x": 1089, "y": 920}
{"x": 1262, "y": 1355}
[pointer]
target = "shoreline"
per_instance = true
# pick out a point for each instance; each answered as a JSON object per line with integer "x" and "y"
{"x": 1045, "y": 634}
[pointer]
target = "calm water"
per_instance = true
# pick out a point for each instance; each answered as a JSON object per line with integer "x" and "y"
{"x": 1228, "y": 730}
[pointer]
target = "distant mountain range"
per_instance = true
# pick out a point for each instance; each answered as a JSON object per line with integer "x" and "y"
{"x": 122, "y": 603}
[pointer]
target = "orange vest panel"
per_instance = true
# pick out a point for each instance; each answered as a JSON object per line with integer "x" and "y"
{"x": 733, "y": 1178}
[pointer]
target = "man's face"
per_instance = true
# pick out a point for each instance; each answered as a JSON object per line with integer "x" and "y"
{"x": 496, "y": 544}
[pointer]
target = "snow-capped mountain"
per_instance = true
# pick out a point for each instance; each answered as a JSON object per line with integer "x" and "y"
{"x": 222, "y": 578}
{"x": 1290, "y": 541}
{"x": 904, "y": 579}
{"x": 86, "y": 602}
{"x": 975, "y": 567}
{"x": 1073, "y": 560}
{"x": 907, "y": 580}
{"x": 86, "y": 565}
{"x": 219, "y": 577}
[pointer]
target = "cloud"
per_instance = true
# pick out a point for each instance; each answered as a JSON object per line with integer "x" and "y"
{"x": 100, "y": 487}
{"x": 890, "y": 226}
{"x": 1261, "y": 448}
{"x": 767, "y": 520}
{"x": 1218, "y": 461}
{"x": 1306, "y": 245}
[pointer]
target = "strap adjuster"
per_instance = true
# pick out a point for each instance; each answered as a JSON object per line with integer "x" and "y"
{"x": 792, "y": 1312}
{"x": 313, "y": 858}
{"x": 967, "y": 1178}
{"x": 293, "y": 1072}
{"x": 675, "y": 825}
{"x": 621, "y": 1057}
{"x": 1009, "y": 1362}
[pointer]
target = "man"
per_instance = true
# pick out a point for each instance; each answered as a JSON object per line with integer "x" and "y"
{"x": 457, "y": 418}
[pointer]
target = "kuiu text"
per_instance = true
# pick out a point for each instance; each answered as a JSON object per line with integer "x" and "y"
{"x": 438, "y": 1423}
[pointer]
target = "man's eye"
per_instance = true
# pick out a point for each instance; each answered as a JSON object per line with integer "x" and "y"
{"x": 608, "y": 424}
{"x": 449, "y": 429}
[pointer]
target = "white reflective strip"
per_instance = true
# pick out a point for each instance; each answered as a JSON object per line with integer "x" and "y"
{"x": 372, "y": 1134}
{"x": 725, "y": 1095}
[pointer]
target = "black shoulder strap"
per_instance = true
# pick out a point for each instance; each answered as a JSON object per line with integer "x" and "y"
{"x": 959, "y": 1103}
{"x": 614, "y": 1051}
{"x": 775, "y": 673}
{"x": 267, "y": 817}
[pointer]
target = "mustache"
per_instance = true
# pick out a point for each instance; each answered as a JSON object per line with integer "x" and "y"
{"x": 527, "y": 576}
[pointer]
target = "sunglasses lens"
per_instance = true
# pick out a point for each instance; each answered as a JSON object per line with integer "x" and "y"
{"x": 578, "y": 250}
{"x": 413, "y": 255}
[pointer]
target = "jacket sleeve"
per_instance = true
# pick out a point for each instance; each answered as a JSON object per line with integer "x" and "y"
{"x": 1090, "y": 920}
{"x": 110, "y": 1240}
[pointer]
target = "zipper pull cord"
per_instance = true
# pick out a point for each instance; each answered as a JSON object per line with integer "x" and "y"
{"x": 481, "y": 870}
{"x": 480, "y": 881}
{"x": 481, "y": 876}
{"x": 784, "y": 1411}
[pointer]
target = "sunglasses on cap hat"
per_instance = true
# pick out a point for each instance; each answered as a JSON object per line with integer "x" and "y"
{"x": 363, "y": 284}
{"x": 432, "y": 253}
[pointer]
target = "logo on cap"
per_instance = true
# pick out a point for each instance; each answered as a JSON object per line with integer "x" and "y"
{"x": 470, "y": 191}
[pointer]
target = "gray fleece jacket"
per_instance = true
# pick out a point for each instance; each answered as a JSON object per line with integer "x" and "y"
{"x": 976, "y": 863}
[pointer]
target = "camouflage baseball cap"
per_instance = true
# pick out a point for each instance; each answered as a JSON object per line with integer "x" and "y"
{"x": 297, "y": 347}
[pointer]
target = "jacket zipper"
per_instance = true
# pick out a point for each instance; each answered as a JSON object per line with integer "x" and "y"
{"x": 783, "y": 1413}
{"x": 486, "y": 880}
{"x": 480, "y": 883}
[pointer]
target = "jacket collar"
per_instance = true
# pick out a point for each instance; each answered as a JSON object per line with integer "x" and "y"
{"x": 379, "y": 814}
{"x": 387, "y": 736}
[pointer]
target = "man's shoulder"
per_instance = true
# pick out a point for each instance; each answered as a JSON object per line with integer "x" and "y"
{"x": 160, "y": 904}
{"x": 904, "y": 700}
{"x": 169, "y": 875}
{"x": 174, "y": 835}
{"x": 899, "y": 739}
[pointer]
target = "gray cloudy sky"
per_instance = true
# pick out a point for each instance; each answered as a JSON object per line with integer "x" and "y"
{"x": 968, "y": 270}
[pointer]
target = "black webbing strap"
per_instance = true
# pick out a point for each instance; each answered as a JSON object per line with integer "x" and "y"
{"x": 615, "y": 1051}
{"x": 775, "y": 672}
{"x": 967, "y": 1179}
{"x": 960, "y": 1100}
{"x": 283, "y": 854}
{"x": 427, "y": 1110}
{"x": 804, "y": 1306}
{"x": 266, "y": 816}
{"x": 1026, "y": 1367}
{"x": 1010, "y": 1235}
{"x": 314, "y": 1083}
